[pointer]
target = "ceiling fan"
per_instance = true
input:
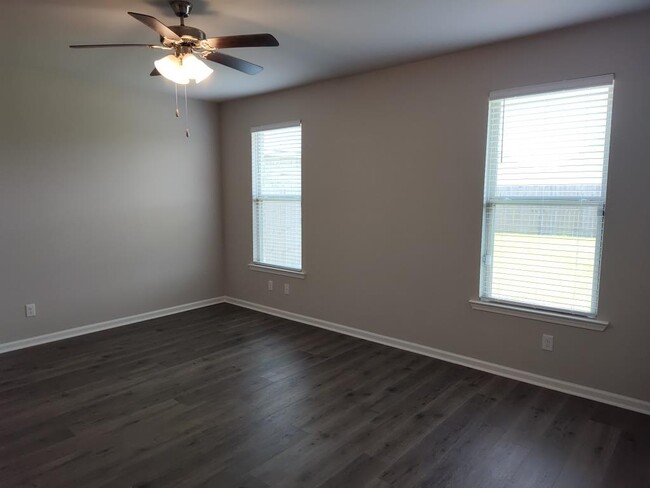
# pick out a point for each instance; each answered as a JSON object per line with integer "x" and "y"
{"x": 188, "y": 44}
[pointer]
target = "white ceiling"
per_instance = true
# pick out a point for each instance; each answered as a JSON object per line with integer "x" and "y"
{"x": 318, "y": 38}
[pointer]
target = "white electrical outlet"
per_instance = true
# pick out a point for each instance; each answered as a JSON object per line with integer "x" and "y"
{"x": 269, "y": 285}
{"x": 547, "y": 342}
{"x": 287, "y": 289}
{"x": 30, "y": 310}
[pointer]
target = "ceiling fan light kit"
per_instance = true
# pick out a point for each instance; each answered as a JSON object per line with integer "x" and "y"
{"x": 195, "y": 69}
{"x": 171, "y": 68}
{"x": 181, "y": 69}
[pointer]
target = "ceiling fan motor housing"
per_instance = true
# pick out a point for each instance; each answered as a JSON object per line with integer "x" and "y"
{"x": 186, "y": 31}
{"x": 182, "y": 8}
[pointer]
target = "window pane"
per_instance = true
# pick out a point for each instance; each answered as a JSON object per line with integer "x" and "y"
{"x": 546, "y": 174}
{"x": 276, "y": 197}
{"x": 278, "y": 170}
{"x": 544, "y": 255}
{"x": 280, "y": 236}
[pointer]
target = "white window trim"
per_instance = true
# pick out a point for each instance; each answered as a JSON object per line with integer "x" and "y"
{"x": 551, "y": 87}
{"x": 279, "y": 125}
{"x": 277, "y": 271}
{"x": 540, "y": 315}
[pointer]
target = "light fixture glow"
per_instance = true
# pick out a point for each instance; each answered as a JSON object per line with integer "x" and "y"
{"x": 195, "y": 69}
{"x": 170, "y": 67}
{"x": 183, "y": 69}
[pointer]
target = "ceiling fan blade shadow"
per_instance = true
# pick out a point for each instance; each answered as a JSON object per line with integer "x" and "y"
{"x": 249, "y": 40}
{"x": 155, "y": 72}
{"x": 155, "y": 24}
{"x": 234, "y": 63}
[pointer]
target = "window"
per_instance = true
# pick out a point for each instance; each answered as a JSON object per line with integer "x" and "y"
{"x": 545, "y": 187}
{"x": 277, "y": 213}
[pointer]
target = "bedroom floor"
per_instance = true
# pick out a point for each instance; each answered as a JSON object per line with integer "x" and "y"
{"x": 228, "y": 397}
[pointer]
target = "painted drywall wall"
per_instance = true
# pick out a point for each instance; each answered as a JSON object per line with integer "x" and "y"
{"x": 393, "y": 165}
{"x": 106, "y": 210}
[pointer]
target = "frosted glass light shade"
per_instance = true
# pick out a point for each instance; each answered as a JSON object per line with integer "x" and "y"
{"x": 183, "y": 69}
{"x": 195, "y": 69}
{"x": 171, "y": 68}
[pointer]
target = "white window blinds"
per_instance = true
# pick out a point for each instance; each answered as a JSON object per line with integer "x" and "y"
{"x": 545, "y": 186}
{"x": 277, "y": 226}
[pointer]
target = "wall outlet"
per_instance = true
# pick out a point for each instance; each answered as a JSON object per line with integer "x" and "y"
{"x": 269, "y": 285}
{"x": 287, "y": 289}
{"x": 30, "y": 310}
{"x": 547, "y": 342}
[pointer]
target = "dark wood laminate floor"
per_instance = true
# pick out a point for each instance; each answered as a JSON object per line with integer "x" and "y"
{"x": 228, "y": 397}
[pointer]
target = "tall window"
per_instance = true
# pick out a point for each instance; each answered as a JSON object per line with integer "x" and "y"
{"x": 277, "y": 226}
{"x": 545, "y": 187}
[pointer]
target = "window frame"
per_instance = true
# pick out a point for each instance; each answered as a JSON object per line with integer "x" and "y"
{"x": 255, "y": 264}
{"x": 532, "y": 311}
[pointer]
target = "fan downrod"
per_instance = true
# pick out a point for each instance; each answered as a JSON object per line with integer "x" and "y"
{"x": 182, "y": 8}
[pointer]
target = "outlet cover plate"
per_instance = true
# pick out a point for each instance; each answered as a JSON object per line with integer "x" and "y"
{"x": 547, "y": 342}
{"x": 30, "y": 310}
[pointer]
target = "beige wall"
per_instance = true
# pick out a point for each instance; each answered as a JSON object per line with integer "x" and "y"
{"x": 105, "y": 209}
{"x": 393, "y": 165}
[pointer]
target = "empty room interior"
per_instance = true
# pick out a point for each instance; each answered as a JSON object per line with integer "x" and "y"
{"x": 360, "y": 244}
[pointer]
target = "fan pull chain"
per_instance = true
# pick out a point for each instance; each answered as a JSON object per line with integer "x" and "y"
{"x": 187, "y": 117}
{"x": 178, "y": 113}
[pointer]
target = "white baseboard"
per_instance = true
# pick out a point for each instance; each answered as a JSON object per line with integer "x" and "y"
{"x": 609, "y": 398}
{"x": 109, "y": 324}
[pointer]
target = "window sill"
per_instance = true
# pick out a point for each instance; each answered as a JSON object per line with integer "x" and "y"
{"x": 540, "y": 315}
{"x": 277, "y": 271}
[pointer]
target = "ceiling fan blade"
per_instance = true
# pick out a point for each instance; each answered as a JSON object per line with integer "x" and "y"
{"x": 87, "y": 46}
{"x": 234, "y": 63}
{"x": 155, "y": 72}
{"x": 155, "y": 24}
{"x": 250, "y": 40}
